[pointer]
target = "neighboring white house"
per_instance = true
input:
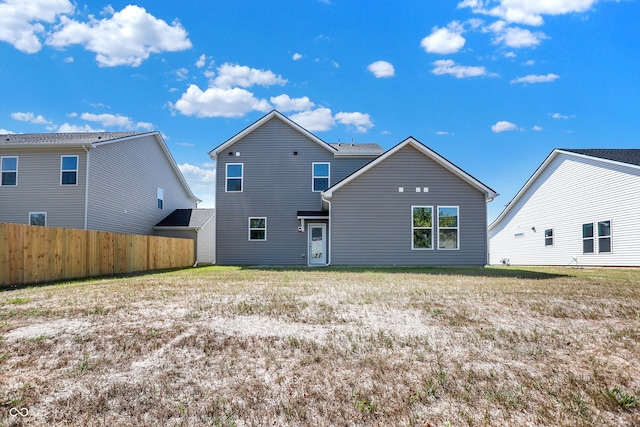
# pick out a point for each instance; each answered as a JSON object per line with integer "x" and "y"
{"x": 580, "y": 207}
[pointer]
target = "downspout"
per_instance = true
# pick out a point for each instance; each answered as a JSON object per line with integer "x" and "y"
{"x": 330, "y": 233}
{"x": 86, "y": 190}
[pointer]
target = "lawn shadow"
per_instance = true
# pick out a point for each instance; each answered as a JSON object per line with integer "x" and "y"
{"x": 508, "y": 272}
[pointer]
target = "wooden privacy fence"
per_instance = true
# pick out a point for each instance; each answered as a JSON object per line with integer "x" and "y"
{"x": 31, "y": 254}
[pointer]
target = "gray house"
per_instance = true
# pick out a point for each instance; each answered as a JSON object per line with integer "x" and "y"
{"x": 285, "y": 197}
{"x": 118, "y": 182}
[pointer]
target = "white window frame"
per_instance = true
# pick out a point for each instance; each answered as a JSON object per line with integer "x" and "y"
{"x": 413, "y": 228}
{"x": 38, "y": 213}
{"x": 62, "y": 171}
{"x": 314, "y": 176}
{"x": 456, "y": 228}
{"x": 605, "y": 236}
{"x": 160, "y": 198}
{"x": 548, "y": 237}
{"x": 250, "y": 229}
{"x": 2, "y": 171}
{"x": 592, "y": 238}
{"x": 227, "y": 178}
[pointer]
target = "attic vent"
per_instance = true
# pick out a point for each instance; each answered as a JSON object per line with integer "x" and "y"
{"x": 295, "y": 153}
{"x": 231, "y": 153}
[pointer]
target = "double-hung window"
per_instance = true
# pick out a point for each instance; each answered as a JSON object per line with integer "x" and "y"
{"x": 448, "y": 227}
{"x": 320, "y": 176}
{"x": 258, "y": 228}
{"x": 587, "y": 238}
{"x": 548, "y": 237}
{"x": 234, "y": 177}
{"x": 422, "y": 227}
{"x": 604, "y": 236}
{"x": 9, "y": 167}
{"x": 69, "y": 170}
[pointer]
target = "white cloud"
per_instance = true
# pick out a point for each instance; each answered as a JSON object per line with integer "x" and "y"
{"x": 516, "y": 37}
{"x": 68, "y": 128}
{"x": 444, "y": 40}
{"x": 115, "y": 120}
{"x": 127, "y": 37}
{"x": 559, "y": 116}
{"x": 182, "y": 73}
{"x": 285, "y": 103}
{"x": 296, "y": 56}
{"x": 448, "y": 66}
{"x": 4, "y": 131}
{"x": 503, "y": 126}
{"x": 31, "y": 118}
{"x": 382, "y": 69}
{"x": 21, "y": 21}
{"x": 219, "y": 102}
{"x": 230, "y": 75}
{"x": 536, "y": 128}
{"x": 320, "y": 119}
{"x": 534, "y": 78}
{"x": 360, "y": 121}
{"x": 443, "y": 133}
{"x": 201, "y": 61}
{"x": 527, "y": 12}
{"x": 202, "y": 182}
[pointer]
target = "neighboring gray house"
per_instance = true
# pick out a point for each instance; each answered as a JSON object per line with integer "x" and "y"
{"x": 196, "y": 224}
{"x": 580, "y": 207}
{"x": 121, "y": 182}
{"x": 285, "y": 197}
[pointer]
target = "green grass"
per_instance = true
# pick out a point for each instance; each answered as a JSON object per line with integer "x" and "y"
{"x": 232, "y": 346}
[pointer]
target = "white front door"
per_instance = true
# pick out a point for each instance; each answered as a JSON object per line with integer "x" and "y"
{"x": 317, "y": 244}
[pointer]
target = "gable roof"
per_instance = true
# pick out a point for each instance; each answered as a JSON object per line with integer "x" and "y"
{"x": 187, "y": 218}
{"x": 62, "y": 139}
{"x": 621, "y": 155}
{"x": 273, "y": 114}
{"x": 410, "y": 141}
{"x": 628, "y": 156}
{"x": 93, "y": 139}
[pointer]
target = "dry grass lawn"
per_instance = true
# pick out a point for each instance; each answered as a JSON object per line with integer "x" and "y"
{"x": 226, "y": 346}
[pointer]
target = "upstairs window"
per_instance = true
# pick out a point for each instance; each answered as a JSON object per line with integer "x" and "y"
{"x": 234, "y": 177}
{"x": 160, "y": 197}
{"x": 548, "y": 237}
{"x": 448, "y": 236}
{"x": 587, "y": 238}
{"x": 257, "y": 228}
{"x": 604, "y": 236}
{"x": 320, "y": 176}
{"x": 69, "y": 170}
{"x": 422, "y": 227}
{"x": 9, "y": 167}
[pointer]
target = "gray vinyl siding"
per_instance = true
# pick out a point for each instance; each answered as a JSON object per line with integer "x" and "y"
{"x": 39, "y": 188}
{"x": 371, "y": 220}
{"x": 124, "y": 177}
{"x": 276, "y": 185}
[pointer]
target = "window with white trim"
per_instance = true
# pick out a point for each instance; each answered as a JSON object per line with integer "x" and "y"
{"x": 548, "y": 237}
{"x": 9, "y": 168}
{"x": 258, "y": 228}
{"x": 160, "y": 197}
{"x": 421, "y": 227}
{"x": 38, "y": 218}
{"x": 587, "y": 239}
{"x": 234, "y": 177}
{"x": 320, "y": 174}
{"x": 69, "y": 170}
{"x": 448, "y": 227}
{"x": 604, "y": 236}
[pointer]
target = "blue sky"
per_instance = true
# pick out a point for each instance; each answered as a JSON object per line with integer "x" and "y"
{"x": 491, "y": 85}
